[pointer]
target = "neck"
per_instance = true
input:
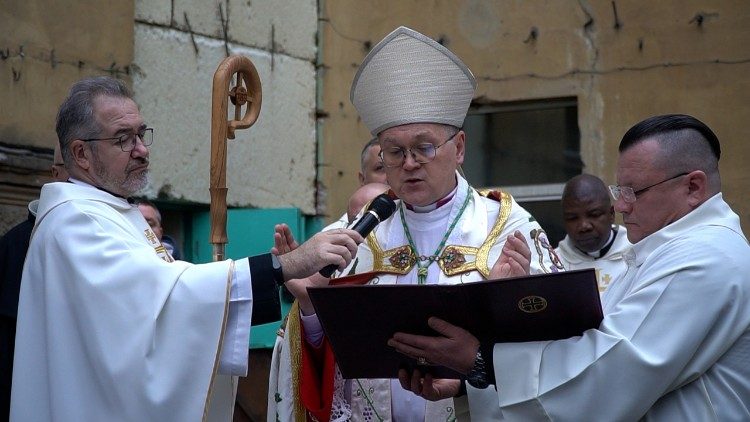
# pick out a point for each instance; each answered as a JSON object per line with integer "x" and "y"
{"x": 607, "y": 245}
{"x": 88, "y": 182}
{"x": 435, "y": 205}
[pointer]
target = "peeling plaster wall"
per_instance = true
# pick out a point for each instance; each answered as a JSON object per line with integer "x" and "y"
{"x": 44, "y": 49}
{"x": 45, "y": 46}
{"x": 623, "y": 61}
{"x": 178, "y": 45}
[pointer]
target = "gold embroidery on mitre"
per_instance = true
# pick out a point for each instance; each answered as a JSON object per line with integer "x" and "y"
{"x": 398, "y": 260}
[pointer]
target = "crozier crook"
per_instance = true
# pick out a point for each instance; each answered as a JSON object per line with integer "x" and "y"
{"x": 247, "y": 91}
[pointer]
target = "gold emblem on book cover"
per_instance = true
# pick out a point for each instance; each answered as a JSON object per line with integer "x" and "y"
{"x": 532, "y": 304}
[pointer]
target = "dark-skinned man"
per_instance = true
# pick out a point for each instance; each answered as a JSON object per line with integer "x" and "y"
{"x": 593, "y": 240}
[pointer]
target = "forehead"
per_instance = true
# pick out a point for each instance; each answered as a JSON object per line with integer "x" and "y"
{"x": 638, "y": 163}
{"x": 146, "y": 210}
{"x": 414, "y": 133}
{"x": 117, "y": 112}
{"x": 372, "y": 153}
{"x": 587, "y": 204}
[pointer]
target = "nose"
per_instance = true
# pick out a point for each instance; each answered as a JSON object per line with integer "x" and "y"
{"x": 410, "y": 161}
{"x": 139, "y": 149}
{"x": 621, "y": 206}
{"x": 585, "y": 225}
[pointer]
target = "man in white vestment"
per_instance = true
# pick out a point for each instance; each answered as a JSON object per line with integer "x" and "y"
{"x": 675, "y": 339}
{"x": 412, "y": 94}
{"x": 593, "y": 239}
{"x": 110, "y": 327}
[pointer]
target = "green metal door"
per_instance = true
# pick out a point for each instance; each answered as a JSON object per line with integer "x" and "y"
{"x": 250, "y": 232}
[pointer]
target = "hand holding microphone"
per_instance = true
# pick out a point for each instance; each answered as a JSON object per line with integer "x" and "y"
{"x": 379, "y": 209}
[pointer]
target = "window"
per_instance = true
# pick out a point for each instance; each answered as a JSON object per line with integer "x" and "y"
{"x": 529, "y": 149}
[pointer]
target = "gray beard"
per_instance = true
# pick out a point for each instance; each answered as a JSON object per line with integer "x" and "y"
{"x": 131, "y": 184}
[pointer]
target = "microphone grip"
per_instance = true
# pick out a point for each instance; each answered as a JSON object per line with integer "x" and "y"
{"x": 363, "y": 226}
{"x": 327, "y": 271}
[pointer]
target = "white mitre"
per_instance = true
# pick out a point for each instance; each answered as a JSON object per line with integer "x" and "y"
{"x": 410, "y": 78}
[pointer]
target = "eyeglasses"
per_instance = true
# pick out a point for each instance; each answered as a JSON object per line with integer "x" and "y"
{"x": 629, "y": 195}
{"x": 127, "y": 141}
{"x": 422, "y": 153}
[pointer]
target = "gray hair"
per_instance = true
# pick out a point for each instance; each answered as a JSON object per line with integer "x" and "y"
{"x": 75, "y": 119}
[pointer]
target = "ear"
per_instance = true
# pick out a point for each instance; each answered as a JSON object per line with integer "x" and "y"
{"x": 612, "y": 214}
{"x": 361, "y": 178}
{"x": 697, "y": 183}
{"x": 460, "y": 147}
{"x": 81, "y": 154}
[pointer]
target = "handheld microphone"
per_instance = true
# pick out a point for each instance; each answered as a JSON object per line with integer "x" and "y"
{"x": 380, "y": 208}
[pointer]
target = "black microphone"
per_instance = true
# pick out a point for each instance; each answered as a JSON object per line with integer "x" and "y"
{"x": 380, "y": 208}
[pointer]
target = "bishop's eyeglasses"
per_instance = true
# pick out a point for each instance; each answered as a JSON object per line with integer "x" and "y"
{"x": 127, "y": 141}
{"x": 629, "y": 195}
{"x": 422, "y": 153}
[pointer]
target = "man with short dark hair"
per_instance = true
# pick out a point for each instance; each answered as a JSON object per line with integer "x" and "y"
{"x": 110, "y": 327}
{"x": 674, "y": 342}
{"x": 593, "y": 240}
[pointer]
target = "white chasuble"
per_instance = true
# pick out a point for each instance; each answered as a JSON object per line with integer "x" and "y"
{"x": 108, "y": 329}
{"x": 673, "y": 345}
{"x": 469, "y": 252}
{"x": 609, "y": 267}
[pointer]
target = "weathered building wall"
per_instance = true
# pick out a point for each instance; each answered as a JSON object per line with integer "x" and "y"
{"x": 169, "y": 50}
{"x": 178, "y": 46}
{"x": 44, "y": 47}
{"x": 623, "y": 61}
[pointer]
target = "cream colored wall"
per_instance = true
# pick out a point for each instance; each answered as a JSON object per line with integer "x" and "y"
{"x": 169, "y": 49}
{"x": 652, "y": 58}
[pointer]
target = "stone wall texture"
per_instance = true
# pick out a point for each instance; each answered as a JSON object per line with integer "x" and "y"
{"x": 178, "y": 46}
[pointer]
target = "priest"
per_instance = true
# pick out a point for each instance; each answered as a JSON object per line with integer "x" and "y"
{"x": 593, "y": 239}
{"x": 413, "y": 95}
{"x": 110, "y": 326}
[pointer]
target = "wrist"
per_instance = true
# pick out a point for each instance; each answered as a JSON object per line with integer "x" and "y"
{"x": 287, "y": 266}
{"x": 277, "y": 270}
{"x": 478, "y": 376}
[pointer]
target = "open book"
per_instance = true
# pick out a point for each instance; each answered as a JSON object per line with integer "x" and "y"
{"x": 359, "y": 320}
